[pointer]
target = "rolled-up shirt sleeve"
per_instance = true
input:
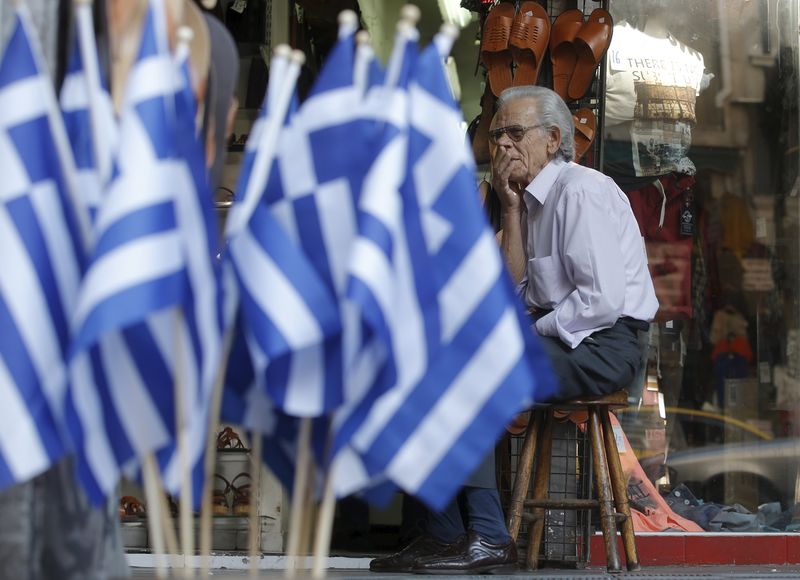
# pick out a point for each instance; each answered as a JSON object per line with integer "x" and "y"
{"x": 590, "y": 253}
{"x": 522, "y": 288}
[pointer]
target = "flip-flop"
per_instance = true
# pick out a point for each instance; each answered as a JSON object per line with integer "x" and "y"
{"x": 530, "y": 34}
{"x": 585, "y": 127}
{"x": 562, "y": 51}
{"x": 495, "y": 52}
{"x": 591, "y": 44}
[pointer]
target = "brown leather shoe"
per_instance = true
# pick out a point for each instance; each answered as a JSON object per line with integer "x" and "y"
{"x": 476, "y": 556}
{"x": 403, "y": 561}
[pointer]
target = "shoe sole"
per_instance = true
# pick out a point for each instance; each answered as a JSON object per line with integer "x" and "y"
{"x": 491, "y": 569}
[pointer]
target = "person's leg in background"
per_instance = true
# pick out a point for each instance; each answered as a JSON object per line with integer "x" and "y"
{"x": 487, "y": 545}
{"x": 485, "y": 514}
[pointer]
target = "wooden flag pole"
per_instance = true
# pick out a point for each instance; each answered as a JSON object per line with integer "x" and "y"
{"x": 210, "y": 458}
{"x": 170, "y": 535}
{"x": 254, "y": 535}
{"x": 299, "y": 504}
{"x": 185, "y": 505}
{"x": 322, "y": 540}
{"x": 155, "y": 515}
{"x": 309, "y": 516}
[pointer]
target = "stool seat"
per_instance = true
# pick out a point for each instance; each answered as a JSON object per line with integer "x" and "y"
{"x": 613, "y": 400}
{"x": 610, "y": 484}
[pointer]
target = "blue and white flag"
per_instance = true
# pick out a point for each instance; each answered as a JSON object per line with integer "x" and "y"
{"x": 388, "y": 280}
{"x": 203, "y": 306}
{"x": 130, "y": 343}
{"x": 429, "y": 434}
{"x": 42, "y": 236}
{"x": 88, "y": 114}
{"x": 288, "y": 312}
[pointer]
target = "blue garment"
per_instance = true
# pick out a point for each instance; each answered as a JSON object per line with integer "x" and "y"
{"x": 484, "y": 516}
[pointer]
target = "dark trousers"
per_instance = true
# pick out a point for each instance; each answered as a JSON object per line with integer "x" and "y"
{"x": 484, "y": 516}
{"x": 602, "y": 363}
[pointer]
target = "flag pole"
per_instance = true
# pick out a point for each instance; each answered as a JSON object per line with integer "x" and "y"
{"x": 299, "y": 504}
{"x": 322, "y": 540}
{"x": 254, "y": 535}
{"x": 155, "y": 515}
{"x": 170, "y": 534}
{"x": 211, "y": 455}
{"x": 243, "y": 210}
{"x": 185, "y": 503}
{"x": 88, "y": 48}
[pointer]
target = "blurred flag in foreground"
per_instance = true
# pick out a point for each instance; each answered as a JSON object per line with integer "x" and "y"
{"x": 42, "y": 239}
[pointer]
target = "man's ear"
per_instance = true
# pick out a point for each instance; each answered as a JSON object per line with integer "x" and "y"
{"x": 553, "y": 141}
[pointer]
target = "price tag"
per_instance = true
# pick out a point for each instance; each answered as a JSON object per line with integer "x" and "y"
{"x": 239, "y": 6}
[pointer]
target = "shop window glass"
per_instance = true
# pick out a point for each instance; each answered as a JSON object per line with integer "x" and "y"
{"x": 701, "y": 132}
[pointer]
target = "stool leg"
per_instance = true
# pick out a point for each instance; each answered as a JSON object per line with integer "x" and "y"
{"x": 541, "y": 483}
{"x": 523, "y": 479}
{"x": 620, "y": 492}
{"x": 604, "y": 494}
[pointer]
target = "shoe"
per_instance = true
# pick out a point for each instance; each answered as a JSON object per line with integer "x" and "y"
{"x": 591, "y": 43}
{"x": 476, "y": 556}
{"x": 530, "y": 35}
{"x": 241, "y": 494}
{"x": 403, "y": 561}
{"x": 495, "y": 50}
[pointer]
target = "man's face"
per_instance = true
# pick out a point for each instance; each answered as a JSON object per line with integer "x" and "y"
{"x": 533, "y": 151}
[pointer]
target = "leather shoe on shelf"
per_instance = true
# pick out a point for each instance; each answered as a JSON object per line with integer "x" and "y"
{"x": 403, "y": 561}
{"x": 475, "y": 556}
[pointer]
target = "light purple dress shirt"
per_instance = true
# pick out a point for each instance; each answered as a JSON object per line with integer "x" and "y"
{"x": 586, "y": 257}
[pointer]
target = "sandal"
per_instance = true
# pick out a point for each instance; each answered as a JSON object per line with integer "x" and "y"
{"x": 130, "y": 507}
{"x": 585, "y": 126}
{"x": 219, "y": 497}
{"x": 591, "y": 43}
{"x": 562, "y": 51}
{"x": 495, "y": 52}
{"x": 241, "y": 495}
{"x": 229, "y": 439}
{"x": 529, "y": 37}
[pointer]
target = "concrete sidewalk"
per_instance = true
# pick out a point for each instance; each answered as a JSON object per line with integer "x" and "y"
{"x": 740, "y": 572}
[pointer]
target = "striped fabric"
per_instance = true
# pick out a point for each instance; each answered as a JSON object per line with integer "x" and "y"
{"x": 88, "y": 114}
{"x": 382, "y": 269}
{"x": 41, "y": 253}
{"x": 203, "y": 306}
{"x": 428, "y": 434}
{"x": 135, "y": 325}
{"x": 288, "y": 311}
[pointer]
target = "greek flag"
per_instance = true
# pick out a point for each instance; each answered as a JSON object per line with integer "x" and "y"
{"x": 483, "y": 366}
{"x": 389, "y": 279}
{"x": 130, "y": 342}
{"x": 203, "y": 311}
{"x": 88, "y": 114}
{"x": 288, "y": 312}
{"x": 42, "y": 236}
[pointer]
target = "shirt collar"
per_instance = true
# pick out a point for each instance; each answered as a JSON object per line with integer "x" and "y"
{"x": 542, "y": 183}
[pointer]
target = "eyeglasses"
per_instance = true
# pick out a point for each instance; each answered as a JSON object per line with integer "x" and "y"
{"x": 514, "y": 132}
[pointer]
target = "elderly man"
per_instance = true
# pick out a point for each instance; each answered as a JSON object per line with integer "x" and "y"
{"x": 571, "y": 241}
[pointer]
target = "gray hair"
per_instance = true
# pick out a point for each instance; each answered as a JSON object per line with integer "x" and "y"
{"x": 551, "y": 111}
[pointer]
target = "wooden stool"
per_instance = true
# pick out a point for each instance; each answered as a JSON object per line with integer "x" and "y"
{"x": 609, "y": 480}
